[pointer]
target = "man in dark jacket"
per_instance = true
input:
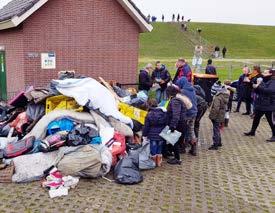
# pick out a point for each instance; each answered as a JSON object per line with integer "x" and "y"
{"x": 145, "y": 82}
{"x": 224, "y": 50}
{"x": 183, "y": 70}
{"x": 210, "y": 69}
{"x": 161, "y": 77}
{"x": 188, "y": 90}
{"x": 265, "y": 103}
{"x": 241, "y": 88}
{"x": 155, "y": 122}
{"x": 176, "y": 111}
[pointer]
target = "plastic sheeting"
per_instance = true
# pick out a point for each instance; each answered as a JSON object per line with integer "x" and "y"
{"x": 83, "y": 91}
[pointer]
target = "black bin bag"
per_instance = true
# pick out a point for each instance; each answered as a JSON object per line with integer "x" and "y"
{"x": 127, "y": 170}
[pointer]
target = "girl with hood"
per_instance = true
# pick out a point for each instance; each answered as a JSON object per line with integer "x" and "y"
{"x": 155, "y": 122}
{"x": 190, "y": 117}
{"x": 176, "y": 111}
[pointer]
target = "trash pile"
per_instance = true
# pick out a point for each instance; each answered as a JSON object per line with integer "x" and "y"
{"x": 76, "y": 128}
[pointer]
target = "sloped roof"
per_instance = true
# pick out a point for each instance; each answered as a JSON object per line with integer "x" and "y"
{"x": 16, "y": 11}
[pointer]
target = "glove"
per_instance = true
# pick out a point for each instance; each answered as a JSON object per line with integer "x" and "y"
{"x": 172, "y": 129}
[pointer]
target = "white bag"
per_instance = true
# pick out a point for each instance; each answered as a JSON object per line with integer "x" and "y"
{"x": 170, "y": 137}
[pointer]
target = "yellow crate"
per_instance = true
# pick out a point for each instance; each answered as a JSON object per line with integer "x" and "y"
{"x": 62, "y": 102}
{"x": 132, "y": 112}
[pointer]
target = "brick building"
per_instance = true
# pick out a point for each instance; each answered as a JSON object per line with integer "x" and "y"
{"x": 96, "y": 38}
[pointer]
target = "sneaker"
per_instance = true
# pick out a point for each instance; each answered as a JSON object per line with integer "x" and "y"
{"x": 246, "y": 113}
{"x": 249, "y": 134}
{"x": 174, "y": 161}
{"x": 219, "y": 145}
{"x": 213, "y": 147}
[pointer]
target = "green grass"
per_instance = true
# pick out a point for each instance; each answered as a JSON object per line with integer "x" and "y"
{"x": 166, "y": 43}
{"x": 242, "y": 41}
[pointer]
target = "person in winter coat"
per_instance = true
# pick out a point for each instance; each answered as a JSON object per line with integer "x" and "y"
{"x": 264, "y": 103}
{"x": 210, "y": 69}
{"x": 155, "y": 122}
{"x": 217, "y": 114}
{"x": 176, "y": 111}
{"x": 224, "y": 50}
{"x": 202, "y": 106}
{"x": 241, "y": 88}
{"x": 248, "y": 81}
{"x": 145, "y": 82}
{"x": 161, "y": 77}
{"x": 183, "y": 70}
{"x": 188, "y": 90}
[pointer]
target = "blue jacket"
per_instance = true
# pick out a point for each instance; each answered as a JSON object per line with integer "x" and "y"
{"x": 155, "y": 122}
{"x": 184, "y": 71}
{"x": 188, "y": 90}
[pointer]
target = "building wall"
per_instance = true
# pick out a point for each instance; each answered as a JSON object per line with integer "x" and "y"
{"x": 93, "y": 37}
{"x": 12, "y": 40}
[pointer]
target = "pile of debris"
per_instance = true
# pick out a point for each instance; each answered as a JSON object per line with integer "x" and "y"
{"x": 76, "y": 128}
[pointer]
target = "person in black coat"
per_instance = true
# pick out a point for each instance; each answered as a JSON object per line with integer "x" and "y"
{"x": 155, "y": 122}
{"x": 241, "y": 88}
{"x": 145, "y": 82}
{"x": 177, "y": 108}
{"x": 264, "y": 103}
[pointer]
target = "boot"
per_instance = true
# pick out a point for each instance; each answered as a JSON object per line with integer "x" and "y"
{"x": 154, "y": 158}
{"x": 159, "y": 160}
{"x": 249, "y": 133}
{"x": 226, "y": 122}
{"x": 193, "y": 150}
{"x": 174, "y": 161}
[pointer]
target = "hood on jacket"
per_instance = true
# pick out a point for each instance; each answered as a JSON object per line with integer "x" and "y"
{"x": 157, "y": 116}
{"x": 183, "y": 84}
{"x": 187, "y": 102}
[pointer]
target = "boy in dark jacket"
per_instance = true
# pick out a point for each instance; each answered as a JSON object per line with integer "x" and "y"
{"x": 183, "y": 70}
{"x": 155, "y": 122}
{"x": 176, "y": 111}
{"x": 145, "y": 82}
{"x": 217, "y": 114}
{"x": 161, "y": 76}
{"x": 210, "y": 69}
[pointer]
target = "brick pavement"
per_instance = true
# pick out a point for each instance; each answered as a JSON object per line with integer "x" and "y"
{"x": 238, "y": 178}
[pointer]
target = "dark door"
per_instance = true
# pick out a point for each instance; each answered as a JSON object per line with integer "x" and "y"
{"x": 3, "y": 79}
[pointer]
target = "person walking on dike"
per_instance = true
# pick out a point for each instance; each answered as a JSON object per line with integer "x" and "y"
{"x": 176, "y": 111}
{"x": 178, "y": 18}
{"x": 183, "y": 70}
{"x": 264, "y": 103}
{"x": 190, "y": 116}
{"x": 210, "y": 69}
{"x": 173, "y": 18}
{"x": 161, "y": 77}
{"x": 145, "y": 82}
{"x": 162, "y": 17}
{"x": 155, "y": 122}
{"x": 224, "y": 50}
{"x": 241, "y": 88}
{"x": 217, "y": 114}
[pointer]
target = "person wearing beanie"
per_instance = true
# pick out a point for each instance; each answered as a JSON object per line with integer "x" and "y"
{"x": 176, "y": 111}
{"x": 217, "y": 114}
{"x": 264, "y": 103}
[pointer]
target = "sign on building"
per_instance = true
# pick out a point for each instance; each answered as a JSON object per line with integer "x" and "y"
{"x": 48, "y": 60}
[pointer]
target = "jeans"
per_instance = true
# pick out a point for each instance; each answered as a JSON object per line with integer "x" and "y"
{"x": 217, "y": 140}
{"x": 161, "y": 95}
{"x": 257, "y": 119}
{"x": 156, "y": 147}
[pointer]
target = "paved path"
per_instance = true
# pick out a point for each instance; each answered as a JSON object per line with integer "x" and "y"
{"x": 238, "y": 178}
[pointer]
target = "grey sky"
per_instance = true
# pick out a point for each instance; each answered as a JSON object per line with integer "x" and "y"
{"x": 227, "y": 11}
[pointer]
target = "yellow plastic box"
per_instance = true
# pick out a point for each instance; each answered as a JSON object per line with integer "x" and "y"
{"x": 62, "y": 102}
{"x": 132, "y": 112}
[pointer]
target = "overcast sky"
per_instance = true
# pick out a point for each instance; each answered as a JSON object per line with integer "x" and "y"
{"x": 261, "y": 12}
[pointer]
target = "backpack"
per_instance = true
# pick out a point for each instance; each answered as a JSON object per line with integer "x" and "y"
{"x": 18, "y": 148}
{"x": 53, "y": 142}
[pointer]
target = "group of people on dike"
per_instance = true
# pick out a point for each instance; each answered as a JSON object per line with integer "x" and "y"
{"x": 180, "y": 105}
